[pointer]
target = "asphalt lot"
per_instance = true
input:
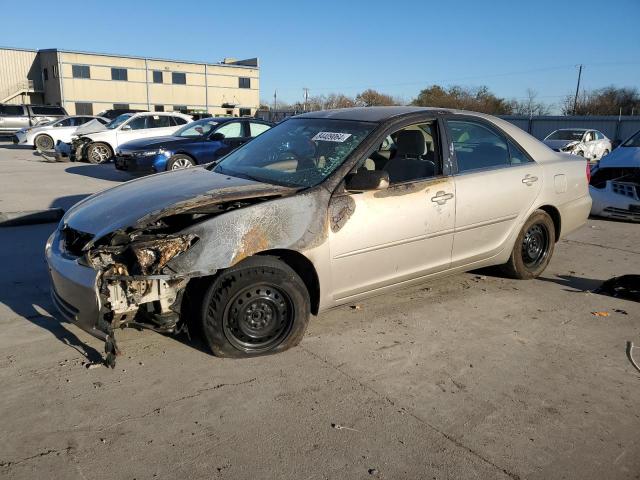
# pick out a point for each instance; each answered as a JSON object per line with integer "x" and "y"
{"x": 473, "y": 376}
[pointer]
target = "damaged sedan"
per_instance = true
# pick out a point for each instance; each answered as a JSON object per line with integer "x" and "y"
{"x": 615, "y": 183}
{"x": 323, "y": 209}
{"x": 591, "y": 144}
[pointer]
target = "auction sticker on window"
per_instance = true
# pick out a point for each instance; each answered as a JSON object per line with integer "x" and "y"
{"x": 331, "y": 137}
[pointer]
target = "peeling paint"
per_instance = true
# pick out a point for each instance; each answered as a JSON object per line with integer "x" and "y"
{"x": 340, "y": 210}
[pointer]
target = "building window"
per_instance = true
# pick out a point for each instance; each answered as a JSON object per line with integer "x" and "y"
{"x": 158, "y": 108}
{"x": 119, "y": 74}
{"x": 244, "y": 82}
{"x": 45, "y": 74}
{"x": 245, "y": 112}
{"x": 83, "y": 108}
{"x": 54, "y": 70}
{"x": 157, "y": 76}
{"x": 121, "y": 106}
{"x": 179, "y": 78}
{"x": 80, "y": 71}
{"x": 179, "y": 108}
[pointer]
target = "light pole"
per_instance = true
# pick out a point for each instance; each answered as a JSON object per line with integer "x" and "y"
{"x": 575, "y": 100}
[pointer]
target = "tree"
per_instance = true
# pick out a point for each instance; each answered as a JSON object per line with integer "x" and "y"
{"x": 371, "y": 98}
{"x": 476, "y": 99}
{"x": 609, "y": 100}
{"x": 530, "y": 106}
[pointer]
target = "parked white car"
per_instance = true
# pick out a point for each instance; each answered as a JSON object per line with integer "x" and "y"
{"x": 99, "y": 147}
{"x": 591, "y": 144}
{"x": 45, "y": 136}
{"x": 615, "y": 183}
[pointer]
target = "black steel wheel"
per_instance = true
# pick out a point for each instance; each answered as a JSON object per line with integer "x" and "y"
{"x": 260, "y": 306}
{"x": 533, "y": 247}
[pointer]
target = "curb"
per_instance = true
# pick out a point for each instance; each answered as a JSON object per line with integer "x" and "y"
{"x": 30, "y": 217}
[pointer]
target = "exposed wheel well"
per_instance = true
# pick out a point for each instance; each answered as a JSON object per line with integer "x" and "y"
{"x": 555, "y": 216}
{"x": 305, "y": 269}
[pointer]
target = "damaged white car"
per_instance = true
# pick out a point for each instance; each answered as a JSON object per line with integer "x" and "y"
{"x": 323, "y": 209}
{"x": 591, "y": 144}
{"x": 615, "y": 183}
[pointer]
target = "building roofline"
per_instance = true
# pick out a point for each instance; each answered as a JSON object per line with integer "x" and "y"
{"x": 19, "y": 49}
{"x": 137, "y": 57}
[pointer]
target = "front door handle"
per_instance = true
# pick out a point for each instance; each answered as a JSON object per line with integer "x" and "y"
{"x": 529, "y": 180}
{"x": 442, "y": 197}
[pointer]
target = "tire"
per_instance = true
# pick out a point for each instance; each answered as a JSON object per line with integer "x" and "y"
{"x": 43, "y": 143}
{"x": 533, "y": 248}
{"x": 99, "y": 152}
{"x": 180, "y": 162}
{"x": 258, "y": 307}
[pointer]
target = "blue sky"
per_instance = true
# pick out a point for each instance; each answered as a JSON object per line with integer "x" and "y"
{"x": 350, "y": 45}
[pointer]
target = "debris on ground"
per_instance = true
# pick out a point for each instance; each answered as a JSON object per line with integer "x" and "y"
{"x": 626, "y": 287}
{"x": 91, "y": 366}
{"x": 355, "y": 307}
{"x": 373, "y": 471}
{"x": 600, "y": 314}
{"x": 630, "y": 348}
{"x": 621, "y": 312}
{"x": 340, "y": 427}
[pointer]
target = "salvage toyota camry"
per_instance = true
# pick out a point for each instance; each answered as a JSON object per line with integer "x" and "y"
{"x": 323, "y": 209}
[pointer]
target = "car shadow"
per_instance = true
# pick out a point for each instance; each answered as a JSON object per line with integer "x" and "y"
{"x": 67, "y": 202}
{"x": 574, "y": 283}
{"x": 12, "y": 146}
{"x": 104, "y": 171}
{"x": 24, "y": 285}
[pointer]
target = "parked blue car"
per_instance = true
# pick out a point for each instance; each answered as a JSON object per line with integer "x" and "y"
{"x": 196, "y": 143}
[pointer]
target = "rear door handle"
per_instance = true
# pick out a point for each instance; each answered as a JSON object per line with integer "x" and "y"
{"x": 529, "y": 179}
{"x": 442, "y": 197}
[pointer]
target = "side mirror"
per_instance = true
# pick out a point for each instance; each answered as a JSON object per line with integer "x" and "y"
{"x": 217, "y": 137}
{"x": 365, "y": 180}
{"x": 126, "y": 127}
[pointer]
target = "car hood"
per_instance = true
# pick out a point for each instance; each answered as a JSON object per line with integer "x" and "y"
{"x": 139, "y": 203}
{"x": 555, "y": 144}
{"x": 90, "y": 127}
{"x": 622, "y": 157}
{"x": 152, "y": 143}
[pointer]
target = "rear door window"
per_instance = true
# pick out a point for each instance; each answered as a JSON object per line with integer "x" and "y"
{"x": 231, "y": 130}
{"x": 56, "y": 111}
{"x": 258, "y": 128}
{"x": 477, "y": 146}
{"x": 158, "y": 121}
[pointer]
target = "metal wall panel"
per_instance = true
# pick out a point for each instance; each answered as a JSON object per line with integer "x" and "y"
{"x": 17, "y": 67}
{"x": 616, "y": 128}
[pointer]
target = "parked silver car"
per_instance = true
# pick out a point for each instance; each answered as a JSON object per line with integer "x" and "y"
{"x": 18, "y": 117}
{"x": 323, "y": 209}
{"x": 591, "y": 144}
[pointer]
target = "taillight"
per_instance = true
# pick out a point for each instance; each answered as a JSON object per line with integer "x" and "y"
{"x": 588, "y": 173}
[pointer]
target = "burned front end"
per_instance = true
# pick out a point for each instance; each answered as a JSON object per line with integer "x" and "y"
{"x": 122, "y": 280}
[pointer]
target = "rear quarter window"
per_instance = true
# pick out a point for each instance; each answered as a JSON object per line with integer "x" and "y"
{"x": 11, "y": 110}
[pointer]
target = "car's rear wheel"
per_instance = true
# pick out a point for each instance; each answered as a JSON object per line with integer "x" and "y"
{"x": 180, "y": 162}
{"x": 533, "y": 248}
{"x": 43, "y": 142}
{"x": 258, "y": 307}
{"x": 99, "y": 152}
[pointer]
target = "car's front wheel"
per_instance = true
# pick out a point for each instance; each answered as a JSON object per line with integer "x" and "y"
{"x": 533, "y": 248}
{"x": 99, "y": 152}
{"x": 258, "y": 307}
{"x": 180, "y": 162}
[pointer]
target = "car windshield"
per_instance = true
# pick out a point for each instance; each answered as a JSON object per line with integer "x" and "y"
{"x": 197, "y": 129}
{"x": 633, "y": 141}
{"x": 119, "y": 120}
{"x": 300, "y": 152}
{"x": 566, "y": 135}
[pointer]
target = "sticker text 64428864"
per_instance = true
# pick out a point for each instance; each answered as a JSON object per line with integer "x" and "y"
{"x": 330, "y": 137}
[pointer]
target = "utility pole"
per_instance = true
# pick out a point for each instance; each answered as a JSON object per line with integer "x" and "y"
{"x": 575, "y": 100}
{"x": 306, "y": 98}
{"x": 275, "y": 100}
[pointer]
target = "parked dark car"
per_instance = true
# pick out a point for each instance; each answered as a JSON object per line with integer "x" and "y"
{"x": 116, "y": 112}
{"x": 17, "y": 117}
{"x": 199, "y": 142}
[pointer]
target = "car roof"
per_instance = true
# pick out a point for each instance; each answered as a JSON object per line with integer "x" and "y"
{"x": 373, "y": 114}
{"x": 573, "y": 129}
